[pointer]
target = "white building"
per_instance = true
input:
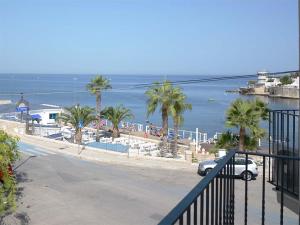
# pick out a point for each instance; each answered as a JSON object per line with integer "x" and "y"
{"x": 295, "y": 83}
{"x": 272, "y": 82}
{"x": 262, "y": 77}
{"x": 46, "y": 116}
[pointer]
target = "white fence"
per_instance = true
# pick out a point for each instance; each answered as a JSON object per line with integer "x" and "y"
{"x": 198, "y": 137}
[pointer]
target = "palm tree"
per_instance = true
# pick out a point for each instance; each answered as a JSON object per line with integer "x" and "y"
{"x": 177, "y": 109}
{"x": 246, "y": 114}
{"x": 96, "y": 86}
{"x": 160, "y": 95}
{"x": 115, "y": 115}
{"x": 229, "y": 140}
{"x": 78, "y": 117}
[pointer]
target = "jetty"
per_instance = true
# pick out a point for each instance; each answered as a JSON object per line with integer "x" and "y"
{"x": 5, "y": 102}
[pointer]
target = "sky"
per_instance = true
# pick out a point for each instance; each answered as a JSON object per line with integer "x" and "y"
{"x": 205, "y": 37}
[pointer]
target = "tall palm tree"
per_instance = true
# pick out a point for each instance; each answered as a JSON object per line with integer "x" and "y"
{"x": 115, "y": 115}
{"x": 246, "y": 114}
{"x": 96, "y": 86}
{"x": 78, "y": 117}
{"x": 160, "y": 95}
{"x": 177, "y": 109}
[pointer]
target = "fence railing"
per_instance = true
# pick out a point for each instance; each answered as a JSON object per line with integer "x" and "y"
{"x": 283, "y": 140}
{"x": 214, "y": 200}
{"x": 211, "y": 201}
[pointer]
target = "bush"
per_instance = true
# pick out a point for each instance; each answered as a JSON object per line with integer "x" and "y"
{"x": 8, "y": 155}
{"x": 285, "y": 80}
{"x": 230, "y": 140}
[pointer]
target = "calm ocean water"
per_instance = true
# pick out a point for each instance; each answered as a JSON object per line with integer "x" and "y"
{"x": 207, "y": 115}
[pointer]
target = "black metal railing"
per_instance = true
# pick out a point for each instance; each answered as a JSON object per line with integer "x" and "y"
{"x": 211, "y": 201}
{"x": 282, "y": 162}
{"x": 214, "y": 199}
{"x": 283, "y": 140}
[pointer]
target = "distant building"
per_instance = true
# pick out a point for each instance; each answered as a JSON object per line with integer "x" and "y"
{"x": 295, "y": 83}
{"x": 272, "y": 82}
{"x": 269, "y": 85}
{"x": 262, "y": 78}
{"x": 46, "y": 116}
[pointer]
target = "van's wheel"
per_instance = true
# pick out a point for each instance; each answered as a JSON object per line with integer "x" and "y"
{"x": 247, "y": 175}
{"x": 207, "y": 170}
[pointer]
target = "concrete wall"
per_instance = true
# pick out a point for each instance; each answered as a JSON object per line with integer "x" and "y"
{"x": 260, "y": 90}
{"x": 284, "y": 92}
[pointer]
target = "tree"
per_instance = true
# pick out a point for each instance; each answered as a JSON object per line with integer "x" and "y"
{"x": 178, "y": 108}
{"x": 160, "y": 95}
{"x": 115, "y": 115}
{"x": 8, "y": 155}
{"x": 229, "y": 140}
{"x": 246, "y": 114}
{"x": 285, "y": 80}
{"x": 294, "y": 75}
{"x": 96, "y": 86}
{"x": 78, "y": 117}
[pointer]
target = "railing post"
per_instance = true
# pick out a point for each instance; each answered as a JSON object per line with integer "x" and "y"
{"x": 207, "y": 205}
{"x": 271, "y": 138}
{"x": 246, "y": 195}
{"x": 221, "y": 197}
{"x": 263, "y": 192}
{"x": 232, "y": 191}
{"x": 212, "y": 211}
{"x": 233, "y": 188}
{"x": 281, "y": 193}
{"x": 217, "y": 201}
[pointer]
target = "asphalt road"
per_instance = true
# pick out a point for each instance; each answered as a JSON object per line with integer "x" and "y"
{"x": 55, "y": 189}
{"x": 63, "y": 190}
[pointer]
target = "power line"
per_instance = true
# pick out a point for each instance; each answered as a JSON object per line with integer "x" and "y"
{"x": 218, "y": 78}
{"x": 147, "y": 85}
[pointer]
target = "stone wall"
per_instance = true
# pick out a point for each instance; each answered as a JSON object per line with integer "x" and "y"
{"x": 284, "y": 92}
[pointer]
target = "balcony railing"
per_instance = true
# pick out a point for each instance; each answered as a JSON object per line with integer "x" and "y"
{"x": 214, "y": 200}
{"x": 283, "y": 140}
{"x": 211, "y": 201}
{"x": 218, "y": 200}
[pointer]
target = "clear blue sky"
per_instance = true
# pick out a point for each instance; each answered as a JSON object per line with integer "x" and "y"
{"x": 148, "y": 37}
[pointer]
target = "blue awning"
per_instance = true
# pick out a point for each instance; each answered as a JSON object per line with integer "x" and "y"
{"x": 36, "y": 117}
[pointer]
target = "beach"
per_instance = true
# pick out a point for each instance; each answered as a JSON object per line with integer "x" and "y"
{"x": 93, "y": 154}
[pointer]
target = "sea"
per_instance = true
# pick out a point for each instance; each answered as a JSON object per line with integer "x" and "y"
{"x": 209, "y": 99}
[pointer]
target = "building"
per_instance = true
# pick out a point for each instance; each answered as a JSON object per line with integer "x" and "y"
{"x": 46, "y": 116}
{"x": 262, "y": 78}
{"x": 272, "y": 82}
{"x": 295, "y": 83}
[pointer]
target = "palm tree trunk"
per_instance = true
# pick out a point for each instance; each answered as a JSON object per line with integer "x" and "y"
{"x": 242, "y": 139}
{"x": 116, "y": 132}
{"x": 165, "y": 131}
{"x": 98, "y": 103}
{"x": 176, "y": 127}
{"x": 78, "y": 136}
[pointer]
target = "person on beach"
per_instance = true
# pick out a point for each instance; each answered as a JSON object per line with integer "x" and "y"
{"x": 145, "y": 135}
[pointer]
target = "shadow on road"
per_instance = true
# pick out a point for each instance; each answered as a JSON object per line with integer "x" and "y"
{"x": 16, "y": 217}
